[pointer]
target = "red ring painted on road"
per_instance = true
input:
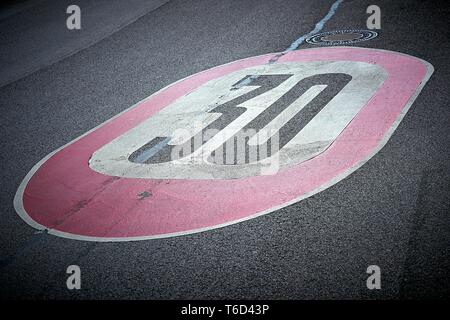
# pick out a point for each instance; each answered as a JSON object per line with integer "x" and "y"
{"x": 62, "y": 194}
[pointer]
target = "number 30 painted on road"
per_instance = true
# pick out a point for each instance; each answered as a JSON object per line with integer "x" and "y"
{"x": 332, "y": 109}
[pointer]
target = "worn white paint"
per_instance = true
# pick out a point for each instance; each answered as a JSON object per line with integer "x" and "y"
{"x": 191, "y": 113}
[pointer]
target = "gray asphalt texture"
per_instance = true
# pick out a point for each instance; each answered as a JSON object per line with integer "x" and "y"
{"x": 34, "y": 35}
{"x": 393, "y": 212}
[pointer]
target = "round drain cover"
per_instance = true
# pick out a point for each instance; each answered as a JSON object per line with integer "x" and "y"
{"x": 341, "y": 37}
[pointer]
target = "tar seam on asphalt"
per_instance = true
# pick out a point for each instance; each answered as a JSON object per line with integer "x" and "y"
{"x": 294, "y": 45}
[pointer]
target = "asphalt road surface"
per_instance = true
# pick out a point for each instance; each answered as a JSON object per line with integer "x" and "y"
{"x": 393, "y": 212}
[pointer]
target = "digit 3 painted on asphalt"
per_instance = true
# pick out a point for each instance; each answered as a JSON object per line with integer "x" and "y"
{"x": 332, "y": 109}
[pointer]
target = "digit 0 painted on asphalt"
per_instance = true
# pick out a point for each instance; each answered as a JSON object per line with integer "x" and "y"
{"x": 331, "y": 110}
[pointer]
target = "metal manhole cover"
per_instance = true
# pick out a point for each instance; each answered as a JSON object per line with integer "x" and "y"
{"x": 341, "y": 37}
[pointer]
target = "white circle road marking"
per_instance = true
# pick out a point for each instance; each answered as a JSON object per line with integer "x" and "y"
{"x": 113, "y": 158}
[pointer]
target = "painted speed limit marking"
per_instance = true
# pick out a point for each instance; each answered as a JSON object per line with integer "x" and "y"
{"x": 225, "y": 145}
{"x": 308, "y": 103}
